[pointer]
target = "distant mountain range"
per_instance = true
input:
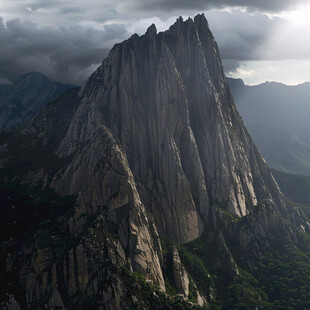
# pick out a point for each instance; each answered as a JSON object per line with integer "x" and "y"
{"x": 277, "y": 117}
{"x": 275, "y": 114}
{"x": 20, "y": 100}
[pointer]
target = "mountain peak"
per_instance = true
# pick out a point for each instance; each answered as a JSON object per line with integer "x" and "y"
{"x": 180, "y": 19}
{"x": 201, "y": 21}
{"x": 164, "y": 91}
{"x": 200, "y": 17}
{"x": 151, "y": 30}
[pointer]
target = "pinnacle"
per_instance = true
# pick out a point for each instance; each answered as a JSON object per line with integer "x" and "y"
{"x": 151, "y": 30}
{"x": 200, "y": 18}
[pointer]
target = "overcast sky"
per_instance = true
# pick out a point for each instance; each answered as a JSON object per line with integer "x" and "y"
{"x": 259, "y": 40}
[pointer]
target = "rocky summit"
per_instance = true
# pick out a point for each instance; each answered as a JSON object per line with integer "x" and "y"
{"x": 144, "y": 190}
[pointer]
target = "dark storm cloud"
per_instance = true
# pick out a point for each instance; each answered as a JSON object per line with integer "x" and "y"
{"x": 198, "y": 5}
{"x": 240, "y": 36}
{"x": 230, "y": 65}
{"x": 70, "y": 54}
{"x": 40, "y": 4}
{"x": 67, "y": 54}
{"x": 71, "y": 9}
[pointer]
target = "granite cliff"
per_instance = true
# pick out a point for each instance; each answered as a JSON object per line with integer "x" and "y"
{"x": 152, "y": 145}
{"x": 165, "y": 100}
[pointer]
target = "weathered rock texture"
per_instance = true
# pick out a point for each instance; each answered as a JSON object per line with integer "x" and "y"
{"x": 150, "y": 145}
{"x": 166, "y": 102}
{"x": 181, "y": 278}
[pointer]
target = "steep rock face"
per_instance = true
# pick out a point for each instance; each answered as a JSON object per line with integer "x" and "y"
{"x": 20, "y": 100}
{"x": 165, "y": 99}
{"x": 62, "y": 282}
{"x": 108, "y": 229}
{"x": 180, "y": 275}
{"x": 100, "y": 175}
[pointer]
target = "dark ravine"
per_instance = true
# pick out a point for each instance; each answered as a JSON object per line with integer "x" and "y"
{"x": 152, "y": 145}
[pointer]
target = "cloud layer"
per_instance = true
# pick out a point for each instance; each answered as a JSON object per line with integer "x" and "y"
{"x": 240, "y": 36}
{"x": 201, "y": 5}
{"x": 67, "y": 40}
{"x": 67, "y": 54}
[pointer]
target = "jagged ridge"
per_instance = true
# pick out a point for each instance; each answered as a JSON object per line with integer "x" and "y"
{"x": 165, "y": 99}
